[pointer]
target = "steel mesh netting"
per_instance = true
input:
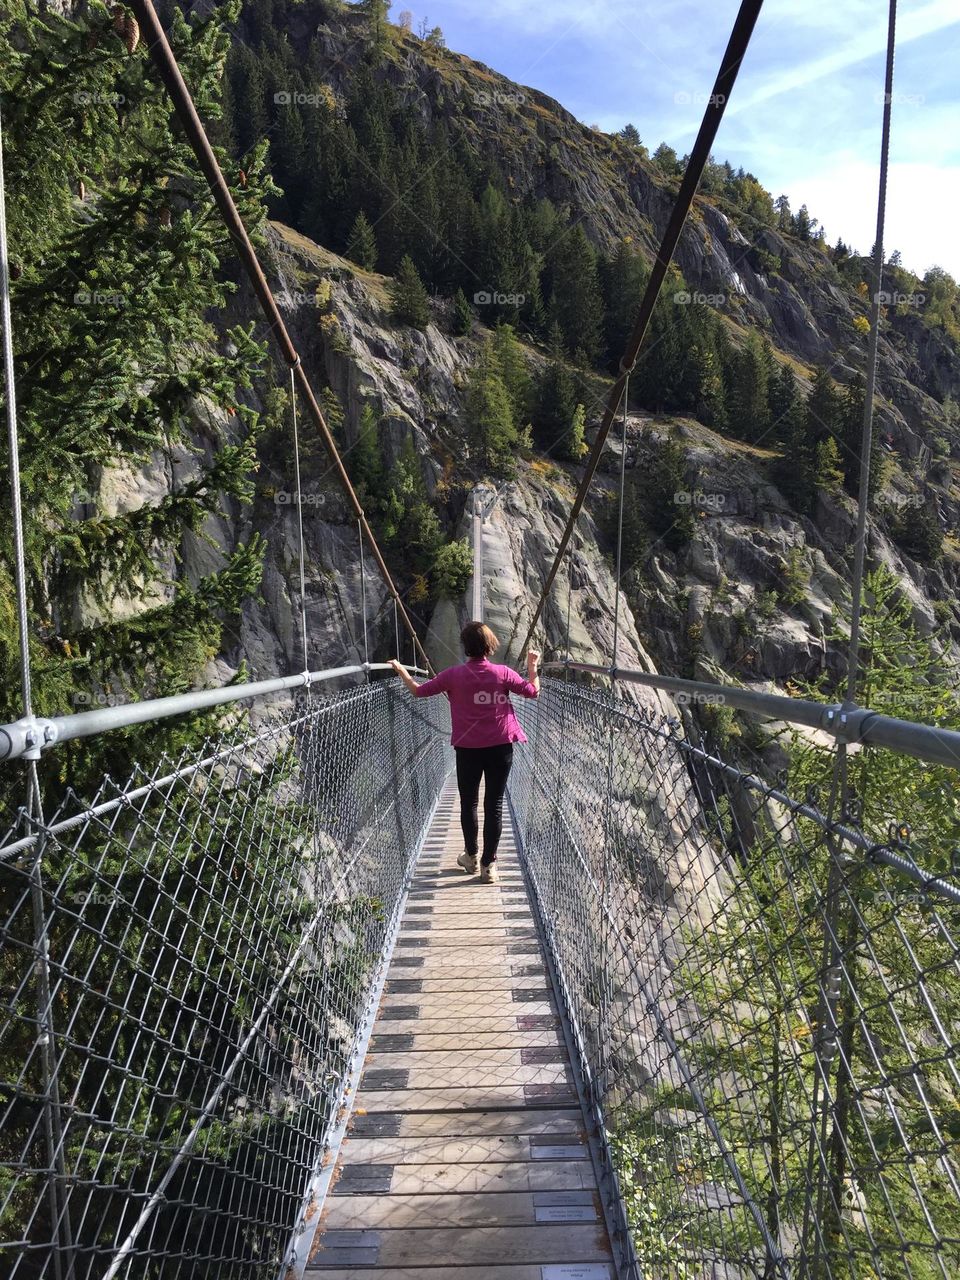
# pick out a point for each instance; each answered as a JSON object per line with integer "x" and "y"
{"x": 211, "y": 934}
{"x": 767, "y": 1002}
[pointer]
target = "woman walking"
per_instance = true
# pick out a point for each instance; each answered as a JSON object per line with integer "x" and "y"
{"x": 484, "y": 731}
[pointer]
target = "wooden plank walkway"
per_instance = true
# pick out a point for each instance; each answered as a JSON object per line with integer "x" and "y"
{"x": 466, "y": 1154}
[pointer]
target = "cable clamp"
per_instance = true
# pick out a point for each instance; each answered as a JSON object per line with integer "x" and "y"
{"x": 27, "y": 738}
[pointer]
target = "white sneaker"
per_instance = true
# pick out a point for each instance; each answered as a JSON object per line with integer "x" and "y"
{"x": 488, "y": 873}
{"x": 468, "y": 862}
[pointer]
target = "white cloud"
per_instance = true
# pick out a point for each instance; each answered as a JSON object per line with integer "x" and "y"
{"x": 843, "y": 196}
{"x": 866, "y": 42}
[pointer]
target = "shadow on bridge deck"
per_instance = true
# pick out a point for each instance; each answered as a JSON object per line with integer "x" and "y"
{"x": 466, "y": 1153}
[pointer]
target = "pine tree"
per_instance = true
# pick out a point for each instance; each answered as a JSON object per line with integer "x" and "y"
{"x": 488, "y": 414}
{"x": 513, "y": 370}
{"x": 851, "y": 438}
{"x": 576, "y": 444}
{"x": 114, "y": 338}
{"x": 576, "y": 304}
{"x": 748, "y": 403}
{"x": 408, "y": 297}
{"x": 624, "y": 278}
{"x": 362, "y": 244}
{"x": 823, "y": 408}
{"x": 784, "y": 401}
{"x": 829, "y": 473}
{"x": 917, "y": 531}
{"x": 463, "y": 314}
{"x": 555, "y": 401}
{"x": 365, "y": 460}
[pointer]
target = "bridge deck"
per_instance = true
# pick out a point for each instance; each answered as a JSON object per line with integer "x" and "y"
{"x": 466, "y": 1154}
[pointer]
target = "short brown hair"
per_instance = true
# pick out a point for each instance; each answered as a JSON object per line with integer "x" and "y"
{"x": 478, "y": 640}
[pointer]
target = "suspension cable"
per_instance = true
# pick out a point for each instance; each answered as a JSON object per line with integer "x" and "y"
{"x": 623, "y": 481}
{"x": 168, "y": 69}
{"x": 866, "y": 443}
{"x": 13, "y": 442}
{"x": 299, "y": 502}
{"x": 726, "y": 79}
{"x": 363, "y": 601}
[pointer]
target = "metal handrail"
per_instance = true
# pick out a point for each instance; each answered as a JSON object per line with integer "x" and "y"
{"x": 33, "y": 735}
{"x": 846, "y": 722}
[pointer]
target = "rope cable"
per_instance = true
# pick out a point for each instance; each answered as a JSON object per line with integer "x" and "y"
{"x": 716, "y": 106}
{"x": 299, "y": 502}
{"x": 619, "y": 570}
{"x": 13, "y": 442}
{"x": 839, "y": 933}
{"x": 363, "y": 601}
{"x": 866, "y": 443}
{"x": 165, "y": 62}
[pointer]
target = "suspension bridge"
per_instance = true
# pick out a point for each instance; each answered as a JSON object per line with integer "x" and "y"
{"x": 257, "y": 1024}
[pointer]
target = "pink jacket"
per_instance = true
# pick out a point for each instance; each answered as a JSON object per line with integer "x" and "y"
{"x": 480, "y": 702}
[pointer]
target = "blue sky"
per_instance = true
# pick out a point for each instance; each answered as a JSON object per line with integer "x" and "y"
{"x": 804, "y": 117}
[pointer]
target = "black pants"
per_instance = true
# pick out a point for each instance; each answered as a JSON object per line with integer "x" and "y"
{"x": 493, "y": 765}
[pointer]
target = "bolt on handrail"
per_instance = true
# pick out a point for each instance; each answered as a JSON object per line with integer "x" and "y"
{"x": 844, "y": 721}
{"x": 32, "y": 735}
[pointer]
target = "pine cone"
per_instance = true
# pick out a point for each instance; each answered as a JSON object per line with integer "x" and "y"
{"x": 131, "y": 33}
{"x": 126, "y": 27}
{"x": 81, "y": 190}
{"x": 16, "y": 270}
{"x": 242, "y": 179}
{"x": 166, "y": 216}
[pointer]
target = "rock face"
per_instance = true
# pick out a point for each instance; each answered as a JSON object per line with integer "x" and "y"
{"x": 717, "y": 609}
{"x": 711, "y": 611}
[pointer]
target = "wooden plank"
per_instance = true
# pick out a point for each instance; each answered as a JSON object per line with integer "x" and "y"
{"x": 560, "y": 1125}
{"x": 462, "y": 993}
{"x": 486, "y": 1209}
{"x": 452, "y": 1061}
{"x": 505, "y": 1024}
{"x": 434, "y": 1005}
{"x": 480, "y": 1041}
{"x": 469, "y": 1149}
{"x": 474, "y": 1179}
{"x": 524, "y": 1271}
{"x": 467, "y": 1076}
{"x": 460, "y": 1098}
{"x": 453, "y": 1246}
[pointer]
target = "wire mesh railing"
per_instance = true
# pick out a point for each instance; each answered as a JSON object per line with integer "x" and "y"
{"x": 766, "y": 999}
{"x": 187, "y": 961}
